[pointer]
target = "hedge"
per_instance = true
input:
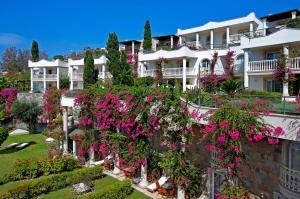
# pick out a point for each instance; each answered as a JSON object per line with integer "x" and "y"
{"x": 118, "y": 190}
{"x": 3, "y": 134}
{"x": 47, "y": 184}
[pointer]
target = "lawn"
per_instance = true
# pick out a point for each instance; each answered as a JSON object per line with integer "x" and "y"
{"x": 37, "y": 149}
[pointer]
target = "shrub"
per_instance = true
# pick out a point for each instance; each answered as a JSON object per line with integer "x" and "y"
{"x": 261, "y": 93}
{"x": 3, "y": 134}
{"x": 47, "y": 184}
{"x": 118, "y": 190}
{"x": 64, "y": 83}
{"x": 143, "y": 81}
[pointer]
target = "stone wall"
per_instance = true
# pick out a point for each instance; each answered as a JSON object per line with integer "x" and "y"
{"x": 37, "y": 97}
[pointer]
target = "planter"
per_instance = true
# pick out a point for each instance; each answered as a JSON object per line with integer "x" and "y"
{"x": 129, "y": 172}
{"x": 108, "y": 165}
{"x": 168, "y": 189}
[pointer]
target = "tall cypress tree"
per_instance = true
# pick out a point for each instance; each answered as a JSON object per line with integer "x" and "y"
{"x": 126, "y": 74}
{"x": 147, "y": 45}
{"x": 113, "y": 56}
{"x": 35, "y": 51}
{"x": 89, "y": 76}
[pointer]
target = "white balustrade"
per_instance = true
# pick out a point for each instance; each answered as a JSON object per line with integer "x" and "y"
{"x": 38, "y": 76}
{"x": 295, "y": 63}
{"x": 51, "y": 76}
{"x": 77, "y": 76}
{"x": 106, "y": 75}
{"x": 263, "y": 65}
{"x": 290, "y": 179}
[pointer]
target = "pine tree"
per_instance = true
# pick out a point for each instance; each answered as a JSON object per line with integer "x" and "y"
{"x": 89, "y": 76}
{"x": 34, "y": 51}
{"x": 126, "y": 74}
{"x": 147, "y": 45}
{"x": 113, "y": 56}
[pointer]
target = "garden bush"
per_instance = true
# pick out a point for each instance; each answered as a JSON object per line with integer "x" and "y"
{"x": 260, "y": 93}
{"x": 29, "y": 168}
{"x": 47, "y": 184}
{"x": 118, "y": 190}
{"x": 3, "y": 134}
{"x": 143, "y": 81}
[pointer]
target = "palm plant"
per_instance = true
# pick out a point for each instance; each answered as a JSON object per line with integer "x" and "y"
{"x": 231, "y": 87}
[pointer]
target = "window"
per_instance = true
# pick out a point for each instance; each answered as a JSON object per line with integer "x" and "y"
{"x": 205, "y": 63}
{"x": 273, "y": 86}
{"x": 239, "y": 60}
{"x": 294, "y": 156}
{"x": 273, "y": 55}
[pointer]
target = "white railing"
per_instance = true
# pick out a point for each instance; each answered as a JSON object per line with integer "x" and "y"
{"x": 105, "y": 74}
{"x": 150, "y": 73}
{"x": 167, "y": 72}
{"x": 235, "y": 37}
{"x": 295, "y": 63}
{"x": 290, "y": 179}
{"x": 263, "y": 65}
{"x": 77, "y": 76}
{"x": 51, "y": 76}
{"x": 38, "y": 76}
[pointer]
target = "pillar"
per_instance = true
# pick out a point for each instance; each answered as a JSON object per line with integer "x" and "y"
{"x": 246, "y": 64}
{"x": 197, "y": 40}
{"x": 180, "y": 40}
{"x": 132, "y": 48}
{"x": 180, "y": 190}
{"x": 172, "y": 41}
{"x": 44, "y": 79}
{"x": 142, "y": 65}
{"x": 294, "y": 15}
{"x": 92, "y": 154}
{"x": 103, "y": 71}
{"x": 285, "y": 89}
{"x": 251, "y": 29}
{"x": 227, "y": 36}
{"x": 144, "y": 182}
{"x": 265, "y": 26}
{"x": 71, "y": 79}
{"x": 117, "y": 162}
{"x": 74, "y": 149}
{"x": 57, "y": 80}
{"x": 65, "y": 129}
{"x": 211, "y": 39}
{"x": 184, "y": 74}
{"x": 31, "y": 79}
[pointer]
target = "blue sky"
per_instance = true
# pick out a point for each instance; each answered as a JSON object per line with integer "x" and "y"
{"x": 61, "y": 26}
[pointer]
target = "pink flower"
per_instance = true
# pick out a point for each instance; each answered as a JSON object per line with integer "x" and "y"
{"x": 210, "y": 128}
{"x": 222, "y": 138}
{"x": 279, "y": 131}
{"x": 234, "y": 134}
{"x": 149, "y": 98}
{"x": 244, "y": 104}
{"x": 258, "y": 137}
{"x": 173, "y": 146}
{"x": 209, "y": 147}
{"x": 238, "y": 160}
{"x": 224, "y": 124}
{"x": 231, "y": 165}
{"x": 252, "y": 126}
{"x": 273, "y": 141}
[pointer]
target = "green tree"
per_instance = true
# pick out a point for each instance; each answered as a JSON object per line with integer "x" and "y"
{"x": 147, "y": 44}
{"x": 113, "y": 56}
{"x": 60, "y": 57}
{"x": 89, "y": 71}
{"x": 3, "y": 134}
{"x": 35, "y": 51}
{"x": 294, "y": 23}
{"x": 126, "y": 73}
{"x": 64, "y": 82}
{"x": 27, "y": 112}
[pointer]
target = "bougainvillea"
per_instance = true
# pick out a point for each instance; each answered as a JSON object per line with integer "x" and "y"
{"x": 9, "y": 96}
{"x": 212, "y": 82}
{"x": 229, "y": 59}
{"x": 282, "y": 69}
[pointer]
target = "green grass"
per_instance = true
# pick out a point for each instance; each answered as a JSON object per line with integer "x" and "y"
{"x": 38, "y": 149}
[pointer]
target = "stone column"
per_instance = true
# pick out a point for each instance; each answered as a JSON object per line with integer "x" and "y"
{"x": 65, "y": 129}
{"x": 103, "y": 71}
{"x": 294, "y": 15}
{"x": 227, "y": 36}
{"x": 246, "y": 64}
{"x": 44, "y": 79}
{"x": 132, "y": 48}
{"x": 144, "y": 182}
{"x": 265, "y": 26}
{"x": 142, "y": 69}
{"x": 180, "y": 40}
{"x": 57, "y": 80}
{"x": 71, "y": 79}
{"x": 172, "y": 41}
{"x": 92, "y": 154}
{"x": 117, "y": 162}
{"x": 74, "y": 149}
{"x": 211, "y": 39}
{"x": 31, "y": 79}
{"x": 197, "y": 40}
{"x": 251, "y": 29}
{"x": 285, "y": 89}
{"x": 184, "y": 74}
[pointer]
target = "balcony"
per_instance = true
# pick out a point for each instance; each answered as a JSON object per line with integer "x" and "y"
{"x": 77, "y": 76}
{"x": 172, "y": 72}
{"x": 290, "y": 179}
{"x": 38, "y": 77}
{"x": 271, "y": 65}
{"x": 105, "y": 75}
{"x": 49, "y": 77}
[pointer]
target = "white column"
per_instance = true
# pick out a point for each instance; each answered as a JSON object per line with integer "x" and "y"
{"x": 265, "y": 26}
{"x": 31, "y": 79}
{"x": 227, "y": 36}
{"x": 180, "y": 40}
{"x": 144, "y": 182}
{"x": 92, "y": 154}
{"x": 294, "y": 15}
{"x": 103, "y": 71}
{"x": 142, "y": 65}
{"x": 57, "y": 80}
{"x": 197, "y": 40}
{"x": 180, "y": 190}
{"x": 65, "y": 129}
{"x": 44, "y": 78}
{"x": 246, "y": 64}
{"x": 132, "y": 46}
{"x": 211, "y": 39}
{"x": 172, "y": 41}
{"x": 285, "y": 90}
{"x": 184, "y": 74}
{"x": 117, "y": 162}
{"x": 251, "y": 29}
{"x": 71, "y": 79}
{"x": 74, "y": 149}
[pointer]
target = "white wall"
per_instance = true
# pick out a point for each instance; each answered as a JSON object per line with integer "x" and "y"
{"x": 256, "y": 82}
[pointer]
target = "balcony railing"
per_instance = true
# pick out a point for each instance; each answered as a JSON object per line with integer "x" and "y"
{"x": 38, "y": 76}
{"x": 51, "y": 76}
{"x": 77, "y": 76}
{"x": 290, "y": 179}
{"x": 169, "y": 72}
{"x": 105, "y": 75}
{"x": 271, "y": 65}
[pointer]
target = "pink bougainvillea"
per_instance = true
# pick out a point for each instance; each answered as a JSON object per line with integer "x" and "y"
{"x": 9, "y": 96}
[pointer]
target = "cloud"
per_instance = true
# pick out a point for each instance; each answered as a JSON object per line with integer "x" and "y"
{"x": 10, "y": 39}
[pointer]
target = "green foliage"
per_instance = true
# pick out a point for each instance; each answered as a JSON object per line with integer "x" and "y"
{"x": 147, "y": 44}
{"x": 232, "y": 191}
{"x": 231, "y": 87}
{"x": 27, "y": 112}
{"x": 143, "y": 81}
{"x": 125, "y": 76}
{"x": 64, "y": 83}
{"x": 35, "y": 51}
{"x": 3, "y": 134}
{"x": 47, "y": 184}
{"x": 89, "y": 72}
{"x": 260, "y": 93}
{"x": 118, "y": 190}
{"x": 294, "y": 23}
{"x": 60, "y": 57}
{"x": 113, "y": 56}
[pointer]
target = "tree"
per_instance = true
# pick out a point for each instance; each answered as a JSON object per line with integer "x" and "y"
{"x": 126, "y": 74}
{"x": 27, "y": 112}
{"x": 89, "y": 71}
{"x": 64, "y": 82}
{"x": 113, "y": 56}
{"x": 34, "y": 51}
{"x": 3, "y": 134}
{"x": 22, "y": 60}
{"x": 147, "y": 45}
{"x": 294, "y": 23}
{"x": 10, "y": 60}
{"x": 60, "y": 57}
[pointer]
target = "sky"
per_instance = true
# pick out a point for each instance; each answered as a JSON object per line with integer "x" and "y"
{"x": 63, "y": 26}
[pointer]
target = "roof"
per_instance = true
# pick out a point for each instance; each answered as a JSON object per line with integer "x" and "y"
{"x": 129, "y": 41}
{"x": 281, "y": 15}
{"x": 214, "y": 25}
{"x": 164, "y": 36}
{"x": 46, "y": 63}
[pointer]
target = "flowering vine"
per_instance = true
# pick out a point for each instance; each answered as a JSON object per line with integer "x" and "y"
{"x": 9, "y": 96}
